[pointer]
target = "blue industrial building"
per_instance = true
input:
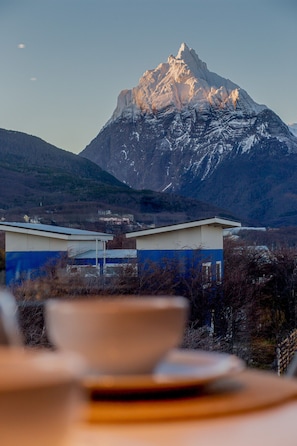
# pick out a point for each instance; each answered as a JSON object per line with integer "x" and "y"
{"x": 30, "y": 247}
{"x": 185, "y": 244}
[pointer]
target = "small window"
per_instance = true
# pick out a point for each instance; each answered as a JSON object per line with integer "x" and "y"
{"x": 206, "y": 273}
{"x": 218, "y": 271}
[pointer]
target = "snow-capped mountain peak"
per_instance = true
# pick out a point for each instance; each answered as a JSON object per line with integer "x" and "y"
{"x": 190, "y": 58}
{"x": 183, "y": 82}
{"x": 184, "y": 129}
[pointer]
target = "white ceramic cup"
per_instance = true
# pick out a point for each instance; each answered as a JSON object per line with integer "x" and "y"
{"x": 118, "y": 335}
{"x": 39, "y": 396}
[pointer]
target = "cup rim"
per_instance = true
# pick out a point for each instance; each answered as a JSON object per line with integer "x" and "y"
{"x": 114, "y": 303}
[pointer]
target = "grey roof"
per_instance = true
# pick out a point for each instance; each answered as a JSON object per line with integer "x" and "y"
{"x": 108, "y": 254}
{"x": 47, "y": 230}
{"x": 217, "y": 221}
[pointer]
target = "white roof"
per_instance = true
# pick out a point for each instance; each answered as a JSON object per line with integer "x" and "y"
{"x": 59, "y": 232}
{"x": 216, "y": 221}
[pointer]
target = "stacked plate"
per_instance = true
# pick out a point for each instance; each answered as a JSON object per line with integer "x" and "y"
{"x": 180, "y": 371}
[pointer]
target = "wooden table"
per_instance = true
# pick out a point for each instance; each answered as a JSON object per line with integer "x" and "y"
{"x": 253, "y": 409}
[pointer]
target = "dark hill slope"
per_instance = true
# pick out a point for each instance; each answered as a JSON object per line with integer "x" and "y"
{"x": 39, "y": 179}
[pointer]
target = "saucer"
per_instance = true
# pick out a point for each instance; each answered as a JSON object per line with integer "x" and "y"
{"x": 245, "y": 392}
{"x": 181, "y": 369}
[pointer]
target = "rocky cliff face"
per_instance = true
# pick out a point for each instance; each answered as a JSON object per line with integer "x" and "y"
{"x": 189, "y": 131}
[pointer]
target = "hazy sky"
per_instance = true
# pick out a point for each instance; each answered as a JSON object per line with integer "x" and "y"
{"x": 64, "y": 62}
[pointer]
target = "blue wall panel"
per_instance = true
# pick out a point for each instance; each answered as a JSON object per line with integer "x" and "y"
{"x": 185, "y": 259}
{"x": 28, "y": 265}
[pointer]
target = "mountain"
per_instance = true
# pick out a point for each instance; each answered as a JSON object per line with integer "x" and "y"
{"x": 32, "y": 171}
{"x": 38, "y": 179}
{"x": 293, "y": 128}
{"x": 186, "y": 130}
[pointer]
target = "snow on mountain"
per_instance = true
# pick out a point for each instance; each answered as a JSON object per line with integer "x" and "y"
{"x": 183, "y": 82}
{"x": 293, "y": 128}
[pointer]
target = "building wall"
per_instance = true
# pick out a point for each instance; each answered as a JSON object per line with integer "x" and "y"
{"x": 28, "y": 255}
{"x": 22, "y": 265}
{"x": 187, "y": 248}
{"x": 211, "y": 237}
{"x": 183, "y": 239}
{"x": 24, "y": 242}
{"x": 202, "y": 237}
{"x": 184, "y": 260}
{"x": 15, "y": 242}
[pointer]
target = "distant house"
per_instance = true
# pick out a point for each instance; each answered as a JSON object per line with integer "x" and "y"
{"x": 29, "y": 247}
{"x": 188, "y": 244}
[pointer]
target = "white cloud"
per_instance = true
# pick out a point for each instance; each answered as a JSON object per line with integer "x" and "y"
{"x": 21, "y": 45}
{"x": 33, "y": 79}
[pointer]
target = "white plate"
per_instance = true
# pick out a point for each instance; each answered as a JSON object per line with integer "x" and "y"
{"x": 181, "y": 369}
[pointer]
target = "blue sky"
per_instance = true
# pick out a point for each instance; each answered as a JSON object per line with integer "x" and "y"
{"x": 64, "y": 62}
